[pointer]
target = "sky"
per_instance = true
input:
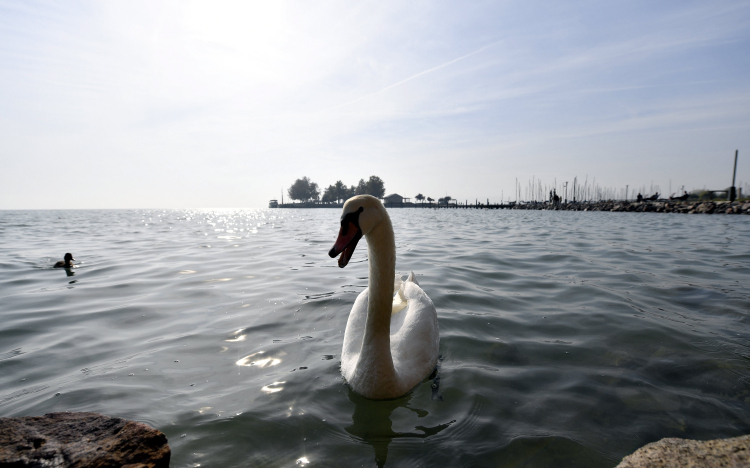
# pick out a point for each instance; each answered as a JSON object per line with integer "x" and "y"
{"x": 186, "y": 104}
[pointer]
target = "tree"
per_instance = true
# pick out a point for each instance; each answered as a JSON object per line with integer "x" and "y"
{"x": 304, "y": 189}
{"x": 343, "y": 192}
{"x": 338, "y": 192}
{"x": 430, "y": 200}
{"x": 374, "y": 186}
{"x": 329, "y": 195}
{"x": 350, "y": 192}
{"x": 314, "y": 192}
{"x": 419, "y": 197}
{"x": 361, "y": 188}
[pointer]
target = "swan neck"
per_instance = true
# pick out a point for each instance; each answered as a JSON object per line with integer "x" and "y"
{"x": 381, "y": 248}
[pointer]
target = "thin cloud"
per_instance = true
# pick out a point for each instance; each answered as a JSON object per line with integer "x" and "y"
{"x": 417, "y": 75}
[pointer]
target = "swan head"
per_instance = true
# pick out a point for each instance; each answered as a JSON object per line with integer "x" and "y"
{"x": 359, "y": 216}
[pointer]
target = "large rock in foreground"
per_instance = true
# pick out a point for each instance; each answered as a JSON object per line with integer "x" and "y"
{"x": 81, "y": 440}
{"x": 683, "y": 453}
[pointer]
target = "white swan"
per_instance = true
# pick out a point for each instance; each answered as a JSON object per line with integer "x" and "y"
{"x": 388, "y": 348}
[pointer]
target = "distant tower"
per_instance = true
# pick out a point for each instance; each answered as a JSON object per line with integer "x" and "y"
{"x": 733, "y": 189}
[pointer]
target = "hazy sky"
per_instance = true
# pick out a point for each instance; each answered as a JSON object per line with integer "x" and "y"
{"x": 222, "y": 104}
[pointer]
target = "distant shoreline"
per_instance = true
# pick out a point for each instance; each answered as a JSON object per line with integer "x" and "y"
{"x": 658, "y": 206}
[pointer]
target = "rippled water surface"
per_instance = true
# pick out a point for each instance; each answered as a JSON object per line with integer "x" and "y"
{"x": 567, "y": 339}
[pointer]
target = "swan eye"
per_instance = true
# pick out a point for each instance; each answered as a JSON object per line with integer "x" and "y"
{"x": 352, "y": 217}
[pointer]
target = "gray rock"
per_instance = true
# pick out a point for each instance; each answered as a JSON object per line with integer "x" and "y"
{"x": 683, "y": 453}
{"x": 65, "y": 440}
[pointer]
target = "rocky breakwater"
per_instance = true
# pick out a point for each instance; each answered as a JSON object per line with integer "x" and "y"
{"x": 708, "y": 207}
{"x": 683, "y": 453}
{"x": 66, "y": 440}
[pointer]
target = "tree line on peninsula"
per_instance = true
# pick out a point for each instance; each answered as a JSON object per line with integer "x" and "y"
{"x": 305, "y": 190}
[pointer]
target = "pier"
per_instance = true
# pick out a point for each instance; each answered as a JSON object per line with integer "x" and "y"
{"x": 486, "y": 206}
{"x": 476, "y": 205}
{"x": 651, "y": 206}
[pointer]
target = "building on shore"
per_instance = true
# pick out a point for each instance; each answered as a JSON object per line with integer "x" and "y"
{"x": 396, "y": 200}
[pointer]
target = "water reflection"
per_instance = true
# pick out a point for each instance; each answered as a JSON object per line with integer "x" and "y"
{"x": 273, "y": 387}
{"x": 371, "y": 423}
{"x": 239, "y": 338}
{"x": 258, "y": 359}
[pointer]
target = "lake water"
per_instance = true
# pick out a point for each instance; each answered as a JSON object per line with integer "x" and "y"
{"x": 568, "y": 339}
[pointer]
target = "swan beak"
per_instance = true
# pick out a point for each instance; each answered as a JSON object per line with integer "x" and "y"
{"x": 349, "y": 235}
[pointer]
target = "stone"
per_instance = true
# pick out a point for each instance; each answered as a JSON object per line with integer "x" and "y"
{"x": 683, "y": 453}
{"x": 705, "y": 207}
{"x": 67, "y": 440}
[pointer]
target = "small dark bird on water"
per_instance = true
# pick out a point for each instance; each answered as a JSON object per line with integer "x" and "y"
{"x": 67, "y": 263}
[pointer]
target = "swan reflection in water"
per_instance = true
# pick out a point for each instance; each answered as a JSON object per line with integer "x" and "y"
{"x": 371, "y": 423}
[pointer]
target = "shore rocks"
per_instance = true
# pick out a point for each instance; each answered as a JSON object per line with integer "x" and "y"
{"x": 660, "y": 206}
{"x": 682, "y": 453}
{"x": 81, "y": 440}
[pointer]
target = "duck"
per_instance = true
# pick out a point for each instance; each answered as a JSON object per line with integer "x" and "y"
{"x": 66, "y": 263}
{"x": 392, "y": 337}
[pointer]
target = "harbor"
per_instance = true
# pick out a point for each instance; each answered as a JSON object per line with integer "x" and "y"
{"x": 585, "y": 197}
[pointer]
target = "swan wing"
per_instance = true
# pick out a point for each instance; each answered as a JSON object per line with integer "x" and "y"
{"x": 415, "y": 336}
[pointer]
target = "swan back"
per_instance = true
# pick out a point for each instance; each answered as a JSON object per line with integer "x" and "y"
{"x": 414, "y": 343}
{"x": 415, "y": 336}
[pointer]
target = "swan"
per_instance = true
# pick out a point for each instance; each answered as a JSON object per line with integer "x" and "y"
{"x": 391, "y": 340}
